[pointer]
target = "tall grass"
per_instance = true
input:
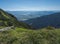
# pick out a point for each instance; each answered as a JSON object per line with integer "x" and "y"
{"x": 25, "y": 36}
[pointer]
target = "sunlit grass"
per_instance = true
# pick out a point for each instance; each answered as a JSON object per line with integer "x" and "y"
{"x": 27, "y": 36}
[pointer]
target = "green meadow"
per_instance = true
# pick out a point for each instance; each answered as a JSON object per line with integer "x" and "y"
{"x": 27, "y": 36}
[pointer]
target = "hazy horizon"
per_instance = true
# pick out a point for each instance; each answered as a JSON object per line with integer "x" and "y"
{"x": 34, "y": 10}
{"x": 30, "y": 5}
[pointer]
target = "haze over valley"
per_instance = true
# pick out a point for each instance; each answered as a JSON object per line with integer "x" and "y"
{"x": 29, "y": 21}
{"x": 26, "y": 15}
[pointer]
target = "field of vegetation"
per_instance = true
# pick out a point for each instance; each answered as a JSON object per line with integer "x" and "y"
{"x": 22, "y": 33}
{"x": 27, "y": 36}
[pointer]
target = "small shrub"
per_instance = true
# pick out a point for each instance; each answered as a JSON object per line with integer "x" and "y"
{"x": 50, "y": 28}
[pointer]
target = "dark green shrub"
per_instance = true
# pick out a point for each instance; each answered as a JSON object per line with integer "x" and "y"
{"x": 50, "y": 28}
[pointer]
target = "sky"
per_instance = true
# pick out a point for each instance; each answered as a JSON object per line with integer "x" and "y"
{"x": 30, "y": 5}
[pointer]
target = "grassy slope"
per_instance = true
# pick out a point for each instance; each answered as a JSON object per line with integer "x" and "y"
{"x": 7, "y": 19}
{"x": 24, "y": 36}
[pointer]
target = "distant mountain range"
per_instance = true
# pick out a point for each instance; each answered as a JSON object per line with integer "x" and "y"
{"x": 45, "y": 21}
{"x": 38, "y": 19}
{"x": 25, "y": 15}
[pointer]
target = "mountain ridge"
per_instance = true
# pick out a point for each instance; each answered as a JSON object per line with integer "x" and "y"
{"x": 45, "y": 21}
{"x": 7, "y": 19}
{"x": 25, "y": 15}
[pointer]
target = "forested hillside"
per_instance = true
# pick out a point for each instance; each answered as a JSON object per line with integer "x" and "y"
{"x": 45, "y": 21}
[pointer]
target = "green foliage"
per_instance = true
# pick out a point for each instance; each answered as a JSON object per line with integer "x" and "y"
{"x": 50, "y": 28}
{"x": 24, "y": 36}
{"x": 7, "y": 19}
{"x": 21, "y": 35}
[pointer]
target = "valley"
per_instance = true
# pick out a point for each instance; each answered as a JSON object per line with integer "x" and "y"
{"x": 45, "y": 21}
{"x": 14, "y": 31}
{"x": 29, "y": 21}
{"x": 26, "y": 15}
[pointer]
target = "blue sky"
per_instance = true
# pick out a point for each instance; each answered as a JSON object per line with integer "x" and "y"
{"x": 32, "y": 5}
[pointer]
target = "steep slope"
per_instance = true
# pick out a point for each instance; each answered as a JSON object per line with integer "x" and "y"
{"x": 7, "y": 19}
{"x": 44, "y": 21}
